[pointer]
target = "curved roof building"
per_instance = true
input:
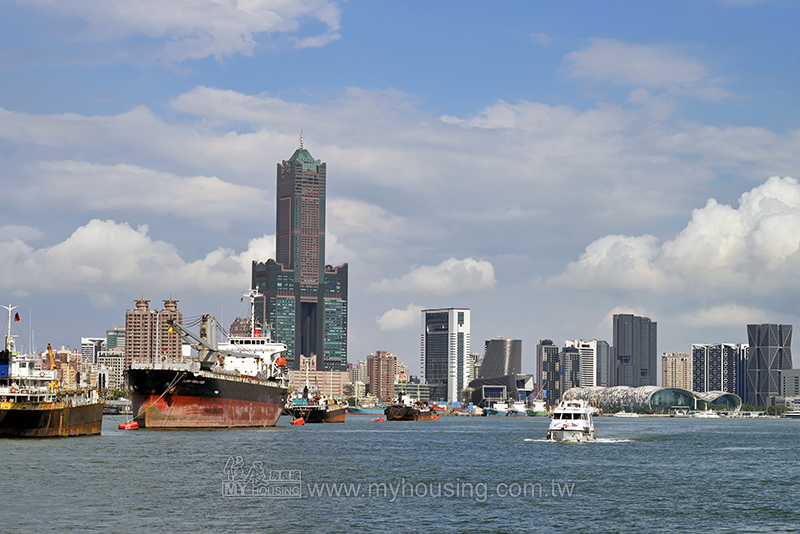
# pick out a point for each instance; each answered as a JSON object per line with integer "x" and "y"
{"x": 655, "y": 398}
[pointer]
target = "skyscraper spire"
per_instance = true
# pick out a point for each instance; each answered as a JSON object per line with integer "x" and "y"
{"x": 301, "y": 139}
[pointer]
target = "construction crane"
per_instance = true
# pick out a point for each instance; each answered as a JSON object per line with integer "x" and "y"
{"x": 53, "y": 366}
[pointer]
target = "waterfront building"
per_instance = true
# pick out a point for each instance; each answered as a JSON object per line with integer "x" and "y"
{"x": 790, "y": 383}
{"x": 501, "y": 356}
{"x": 148, "y": 338}
{"x": 486, "y": 391}
{"x": 111, "y": 364}
{"x": 444, "y": 358}
{"x": 676, "y": 370}
{"x": 634, "y": 351}
{"x": 356, "y": 389}
{"x": 305, "y": 301}
{"x": 593, "y": 361}
{"x": 548, "y": 370}
{"x": 770, "y": 353}
{"x": 415, "y": 390}
{"x": 719, "y": 367}
{"x": 382, "y": 369}
{"x": 656, "y": 399}
{"x": 320, "y": 381}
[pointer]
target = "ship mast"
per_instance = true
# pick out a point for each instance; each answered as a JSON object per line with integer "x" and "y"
{"x": 253, "y": 294}
{"x": 9, "y": 339}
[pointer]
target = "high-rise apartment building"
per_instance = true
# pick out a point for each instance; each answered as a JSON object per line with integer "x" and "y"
{"x": 91, "y": 347}
{"x": 634, "y": 351}
{"x": 305, "y": 301}
{"x": 570, "y": 368}
{"x": 382, "y": 369}
{"x": 148, "y": 338}
{"x": 548, "y": 370}
{"x": 593, "y": 361}
{"x": 445, "y": 354}
{"x": 719, "y": 367}
{"x": 501, "y": 357}
{"x": 676, "y": 370}
{"x": 770, "y": 353}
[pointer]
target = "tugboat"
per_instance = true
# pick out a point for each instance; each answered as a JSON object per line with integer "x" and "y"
{"x": 237, "y": 383}
{"x": 315, "y": 408}
{"x": 405, "y": 409}
{"x": 34, "y": 405}
{"x": 571, "y": 422}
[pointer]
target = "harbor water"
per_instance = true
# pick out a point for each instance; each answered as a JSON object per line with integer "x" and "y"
{"x": 457, "y": 474}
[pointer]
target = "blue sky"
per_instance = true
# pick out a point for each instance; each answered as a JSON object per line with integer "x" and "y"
{"x": 546, "y": 165}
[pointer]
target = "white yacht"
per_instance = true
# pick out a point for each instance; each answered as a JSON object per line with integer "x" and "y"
{"x": 623, "y": 413}
{"x": 571, "y": 421}
{"x": 707, "y": 414}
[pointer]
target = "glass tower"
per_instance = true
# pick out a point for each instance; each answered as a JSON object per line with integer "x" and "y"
{"x": 305, "y": 301}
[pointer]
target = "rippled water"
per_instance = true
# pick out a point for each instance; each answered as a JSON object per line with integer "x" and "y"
{"x": 452, "y": 475}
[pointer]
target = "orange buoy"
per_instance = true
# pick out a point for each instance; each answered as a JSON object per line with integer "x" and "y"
{"x": 435, "y": 417}
{"x": 380, "y": 419}
{"x": 129, "y": 425}
{"x": 298, "y": 421}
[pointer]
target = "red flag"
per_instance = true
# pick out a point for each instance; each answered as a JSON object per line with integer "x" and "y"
{"x": 16, "y": 317}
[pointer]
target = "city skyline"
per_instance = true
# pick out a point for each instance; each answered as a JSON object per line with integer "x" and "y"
{"x": 546, "y": 171}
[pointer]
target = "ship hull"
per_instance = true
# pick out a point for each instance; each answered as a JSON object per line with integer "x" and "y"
{"x": 313, "y": 414}
{"x": 366, "y": 411}
{"x": 202, "y": 400}
{"x": 406, "y": 413}
{"x": 49, "y": 420}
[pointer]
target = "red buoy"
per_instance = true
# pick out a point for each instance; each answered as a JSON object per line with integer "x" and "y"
{"x": 380, "y": 419}
{"x": 129, "y": 425}
{"x": 298, "y": 421}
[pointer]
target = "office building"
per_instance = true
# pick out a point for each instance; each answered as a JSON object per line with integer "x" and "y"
{"x": 770, "y": 353}
{"x": 676, "y": 370}
{"x": 115, "y": 338}
{"x": 634, "y": 351}
{"x": 91, "y": 347}
{"x": 790, "y": 383}
{"x": 719, "y": 367}
{"x": 548, "y": 370}
{"x": 148, "y": 338}
{"x": 501, "y": 357}
{"x": 305, "y": 301}
{"x": 445, "y": 353}
{"x": 593, "y": 361}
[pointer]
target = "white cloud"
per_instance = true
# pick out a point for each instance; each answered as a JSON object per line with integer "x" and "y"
{"x": 651, "y": 66}
{"x": 91, "y": 187}
{"x": 450, "y": 277}
{"x": 198, "y": 28}
{"x": 104, "y": 258}
{"x": 725, "y": 315}
{"x": 752, "y": 250}
{"x": 396, "y": 319}
{"x": 541, "y": 38}
{"x": 21, "y": 232}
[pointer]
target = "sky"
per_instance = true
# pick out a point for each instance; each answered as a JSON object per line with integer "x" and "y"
{"x": 545, "y": 165}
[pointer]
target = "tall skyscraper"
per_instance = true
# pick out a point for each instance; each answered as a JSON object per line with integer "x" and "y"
{"x": 719, "y": 367}
{"x": 305, "y": 301}
{"x": 593, "y": 361}
{"x": 501, "y": 357}
{"x": 548, "y": 370}
{"x": 634, "y": 351}
{"x": 445, "y": 355}
{"x": 770, "y": 352}
{"x": 676, "y": 370}
{"x": 570, "y": 368}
